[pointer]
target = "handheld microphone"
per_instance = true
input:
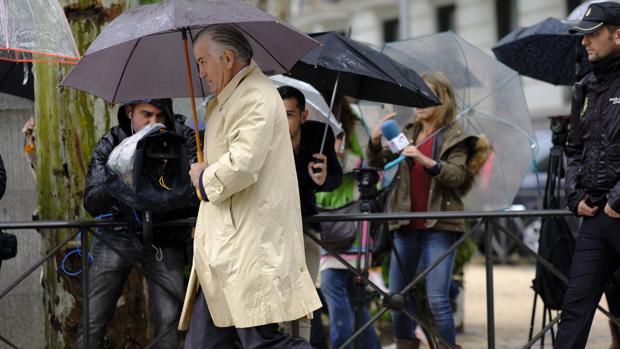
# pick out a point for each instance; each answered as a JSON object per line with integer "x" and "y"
{"x": 396, "y": 141}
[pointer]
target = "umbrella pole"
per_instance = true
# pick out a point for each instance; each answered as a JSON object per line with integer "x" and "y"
{"x": 190, "y": 85}
{"x": 331, "y": 106}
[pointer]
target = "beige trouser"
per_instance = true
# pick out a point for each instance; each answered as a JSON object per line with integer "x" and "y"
{"x": 313, "y": 259}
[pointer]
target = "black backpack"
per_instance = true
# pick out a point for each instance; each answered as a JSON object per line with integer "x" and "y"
{"x": 555, "y": 244}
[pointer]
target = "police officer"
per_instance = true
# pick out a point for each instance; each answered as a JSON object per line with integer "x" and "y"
{"x": 593, "y": 173}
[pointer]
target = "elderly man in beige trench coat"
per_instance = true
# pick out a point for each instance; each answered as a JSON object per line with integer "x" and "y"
{"x": 249, "y": 267}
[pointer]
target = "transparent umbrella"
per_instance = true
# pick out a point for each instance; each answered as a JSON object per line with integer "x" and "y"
{"x": 490, "y": 101}
{"x": 317, "y": 106}
{"x": 35, "y": 31}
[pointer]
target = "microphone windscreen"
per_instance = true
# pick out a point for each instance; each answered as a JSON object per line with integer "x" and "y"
{"x": 390, "y": 129}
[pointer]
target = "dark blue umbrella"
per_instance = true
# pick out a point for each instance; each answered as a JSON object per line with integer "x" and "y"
{"x": 545, "y": 51}
{"x": 362, "y": 72}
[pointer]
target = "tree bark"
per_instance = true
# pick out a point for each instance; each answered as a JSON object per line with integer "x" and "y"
{"x": 69, "y": 124}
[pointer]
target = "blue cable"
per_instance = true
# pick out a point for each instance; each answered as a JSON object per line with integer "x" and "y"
{"x": 136, "y": 217}
{"x": 78, "y": 250}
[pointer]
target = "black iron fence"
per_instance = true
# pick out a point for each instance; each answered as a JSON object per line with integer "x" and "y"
{"x": 390, "y": 300}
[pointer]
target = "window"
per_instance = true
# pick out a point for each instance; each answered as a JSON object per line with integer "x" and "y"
{"x": 390, "y": 30}
{"x": 506, "y": 13}
{"x": 445, "y": 18}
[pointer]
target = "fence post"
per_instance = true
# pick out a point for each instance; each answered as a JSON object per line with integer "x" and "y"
{"x": 85, "y": 300}
{"x": 490, "y": 295}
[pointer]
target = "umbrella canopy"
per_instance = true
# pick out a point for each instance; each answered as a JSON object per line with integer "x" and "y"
{"x": 35, "y": 31}
{"x": 490, "y": 101}
{"x": 362, "y": 72}
{"x": 16, "y": 79}
{"x": 318, "y": 109}
{"x": 545, "y": 51}
{"x": 579, "y": 11}
{"x": 125, "y": 61}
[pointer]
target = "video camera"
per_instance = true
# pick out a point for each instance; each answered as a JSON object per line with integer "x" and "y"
{"x": 367, "y": 179}
{"x": 152, "y": 172}
{"x": 559, "y": 129}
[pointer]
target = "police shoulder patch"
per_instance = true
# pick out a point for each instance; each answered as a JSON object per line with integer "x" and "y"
{"x": 585, "y": 107}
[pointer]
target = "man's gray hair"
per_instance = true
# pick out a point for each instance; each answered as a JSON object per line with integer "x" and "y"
{"x": 228, "y": 37}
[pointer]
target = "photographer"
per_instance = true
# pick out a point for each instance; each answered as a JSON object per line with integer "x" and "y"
{"x": 162, "y": 262}
{"x": 316, "y": 172}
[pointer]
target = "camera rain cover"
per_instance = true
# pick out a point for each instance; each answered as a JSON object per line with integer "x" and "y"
{"x": 150, "y": 171}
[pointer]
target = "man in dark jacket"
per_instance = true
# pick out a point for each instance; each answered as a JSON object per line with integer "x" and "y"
{"x": 316, "y": 172}
{"x": 162, "y": 262}
{"x": 593, "y": 173}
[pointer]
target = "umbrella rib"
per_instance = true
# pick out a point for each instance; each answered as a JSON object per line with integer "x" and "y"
{"x": 120, "y": 79}
{"x": 496, "y": 119}
{"x": 500, "y": 86}
{"x": 261, "y": 45}
{"x": 467, "y": 75}
{"x": 370, "y": 62}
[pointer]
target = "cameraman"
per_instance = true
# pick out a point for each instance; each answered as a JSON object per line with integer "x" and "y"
{"x": 163, "y": 262}
{"x": 316, "y": 172}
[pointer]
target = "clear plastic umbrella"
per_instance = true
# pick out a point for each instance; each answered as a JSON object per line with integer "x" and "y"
{"x": 318, "y": 109}
{"x": 490, "y": 101}
{"x": 35, "y": 31}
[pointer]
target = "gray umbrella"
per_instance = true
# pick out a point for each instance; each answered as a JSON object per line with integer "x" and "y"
{"x": 144, "y": 53}
{"x": 140, "y": 54}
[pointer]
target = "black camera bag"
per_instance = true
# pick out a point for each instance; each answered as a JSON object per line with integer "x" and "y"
{"x": 8, "y": 246}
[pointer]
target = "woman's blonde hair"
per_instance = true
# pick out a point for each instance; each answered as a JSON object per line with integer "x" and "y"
{"x": 446, "y": 112}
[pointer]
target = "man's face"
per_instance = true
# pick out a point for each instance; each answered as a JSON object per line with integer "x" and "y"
{"x": 295, "y": 116}
{"x": 601, "y": 43}
{"x": 143, "y": 114}
{"x": 216, "y": 69}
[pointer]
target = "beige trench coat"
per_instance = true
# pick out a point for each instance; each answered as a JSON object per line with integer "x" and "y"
{"x": 248, "y": 245}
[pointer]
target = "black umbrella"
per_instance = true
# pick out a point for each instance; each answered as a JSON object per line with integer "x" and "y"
{"x": 16, "y": 79}
{"x": 362, "y": 72}
{"x": 545, "y": 51}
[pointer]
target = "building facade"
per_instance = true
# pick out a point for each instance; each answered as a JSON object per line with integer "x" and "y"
{"x": 481, "y": 22}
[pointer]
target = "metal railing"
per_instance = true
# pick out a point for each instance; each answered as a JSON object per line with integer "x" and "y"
{"x": 390, "y": 301}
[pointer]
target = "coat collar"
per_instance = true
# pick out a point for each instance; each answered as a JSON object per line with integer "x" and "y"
{"x": 227, "y": 91}
{"x": 451, "y": 135}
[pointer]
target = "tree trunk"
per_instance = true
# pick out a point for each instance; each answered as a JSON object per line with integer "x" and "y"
{"x": 69, "y": 124}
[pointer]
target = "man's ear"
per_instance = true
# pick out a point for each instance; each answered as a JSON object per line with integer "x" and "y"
{"x": 304, "y": 115}
{"x": 128, "y": 110}
{"x": 229, "y": 58}
{"x": 616, "y": 37}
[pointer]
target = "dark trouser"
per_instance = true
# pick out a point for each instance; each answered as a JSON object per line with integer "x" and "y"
{"x": 203, "y": 334}
{"x": 108, "y": 274}
{"x": 596, "y": 258}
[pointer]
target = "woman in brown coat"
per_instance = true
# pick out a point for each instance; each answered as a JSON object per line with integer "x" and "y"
{"x": 442, "y": 161}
